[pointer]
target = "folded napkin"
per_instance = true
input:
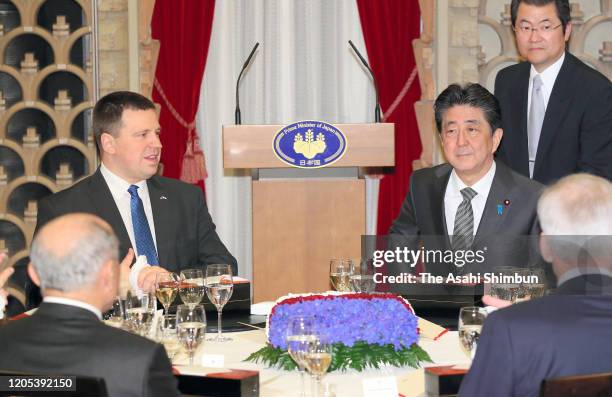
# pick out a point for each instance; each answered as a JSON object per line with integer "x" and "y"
{"x": 431, "y": 330}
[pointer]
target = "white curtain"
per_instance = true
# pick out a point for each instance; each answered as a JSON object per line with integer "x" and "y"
{"x": 303, "y": 69}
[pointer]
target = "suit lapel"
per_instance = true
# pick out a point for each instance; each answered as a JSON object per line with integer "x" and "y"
{"x": 516, "y": 144}
{"x": 438, "y": 215}
{"x": 161, "y": 207}
{"x": 491, "y": 221}
{"x": 557, "y": 106}
{"x": 103, "y": 201}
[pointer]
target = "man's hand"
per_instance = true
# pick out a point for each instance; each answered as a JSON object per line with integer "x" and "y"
{"x": 495, "y": 302}
{"x": 146, "y": 277}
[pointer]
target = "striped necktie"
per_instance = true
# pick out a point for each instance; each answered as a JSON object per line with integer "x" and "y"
{"x": 142, "y": 232}
{"x": 463, "y": 232}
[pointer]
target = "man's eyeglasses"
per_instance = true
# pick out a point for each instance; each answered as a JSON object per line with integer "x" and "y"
{"x": 527, "y": 30}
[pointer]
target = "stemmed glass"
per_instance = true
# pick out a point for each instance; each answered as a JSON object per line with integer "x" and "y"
{"x": 300, "y": 334}
{"x": 362, "y": 276}
{"x": 192, "y": 287}
{"x": 167, "y": 335}
{"x": 471, "y": 320}
{"x": 191, "y": 327}
{"x": 166, "y": 289}
{"x": 339, "y": 274}
{"x": 318, "y": 359}
{"x": 116, "y": 314}
{"x": 140, "y": 310}
{"x": 219, "y": 288}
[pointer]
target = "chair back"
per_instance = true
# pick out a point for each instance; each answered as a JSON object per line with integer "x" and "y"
{"x": 86, "y": 386}
{"x": 596, "y": 385}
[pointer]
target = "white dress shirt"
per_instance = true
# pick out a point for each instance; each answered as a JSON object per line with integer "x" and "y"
{"x": 453, "y": 197}
{"x": 582, "y": 271}
{"x": 73, "y": 302}
{"x": 119, "y": 190}
{"x": 548, "y": 76}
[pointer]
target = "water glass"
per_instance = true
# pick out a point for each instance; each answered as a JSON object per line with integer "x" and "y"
{"x": 167, "y": 335}
{"x": 219, "y": 288}
{"x": 115, "y": 316}
{"x": 471, "y": 320}
{"x": 140, "y": 310}
{"x": 191, "y": 327}
{"x": 505, "y": 286}
{"x": 362, "y": 276}
{"x": 300, "y": 334}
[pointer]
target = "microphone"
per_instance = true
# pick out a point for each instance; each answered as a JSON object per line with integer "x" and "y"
{"x": 237, "y": 113}
{"x": 377, "y": 117}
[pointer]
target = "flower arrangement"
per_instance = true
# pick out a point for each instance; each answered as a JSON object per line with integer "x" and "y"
{"x": 366, "y": 330}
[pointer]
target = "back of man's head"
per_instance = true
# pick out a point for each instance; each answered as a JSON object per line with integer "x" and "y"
{"x": 69, "y": 252}
{"x": 575, "y": 215}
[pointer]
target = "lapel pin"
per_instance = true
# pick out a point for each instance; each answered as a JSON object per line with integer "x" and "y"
{"x": 500, "y": 209}
{"x": 506, "y": 202}
{"x": 163, "y": 198}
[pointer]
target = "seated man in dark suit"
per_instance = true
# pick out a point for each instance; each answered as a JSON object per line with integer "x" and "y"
{"x": 75, "y": 262}
{"x": 164, "y": 219}
{"x": 472, "y": 202}
{"x": 567, "y": 333}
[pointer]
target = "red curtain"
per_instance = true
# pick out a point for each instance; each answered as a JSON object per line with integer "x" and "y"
{"x": 388, "y": 28}
{"x": 183, "y": 29}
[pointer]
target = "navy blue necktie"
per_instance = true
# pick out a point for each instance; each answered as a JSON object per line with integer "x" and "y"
{"x": 142, "y": 232}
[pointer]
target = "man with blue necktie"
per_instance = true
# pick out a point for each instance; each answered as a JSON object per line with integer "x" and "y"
{"x": 164, "y": 219}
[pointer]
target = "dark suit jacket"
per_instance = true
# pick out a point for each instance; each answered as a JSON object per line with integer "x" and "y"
{"x": 559, "y": 335}
{"x": 184, "y": 231}
{"x": 577, "y": 131}
{"x": 67, "y": 340}
{"x": 422, "y": 214}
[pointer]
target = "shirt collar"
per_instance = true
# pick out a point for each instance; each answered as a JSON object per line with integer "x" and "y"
{"x": 116, "y": 184}
{"x": 549, "y": 75}
{"x": 73, "y": 302}
{"x": 481, "y": 187}
{"x": 581, "y": 271}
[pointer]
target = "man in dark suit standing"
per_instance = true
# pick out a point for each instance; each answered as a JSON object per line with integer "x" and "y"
{"x": 472, "y": 202}
{"x": 567, "y": 333}
{"x": 164, "y": 219}
{"x": 556, "y": 110}
{"x": 75, "y": 262}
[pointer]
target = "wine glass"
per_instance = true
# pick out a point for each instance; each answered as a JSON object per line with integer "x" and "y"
{"x": 116, "y": 314}
{"x": 191, "y": 327}
{"x": 300, "y": 333}
{"x": 339, "y": 274}
{"x": 362, "y": 276}
{"x": 219, "y": 288}
{"x": 167, "y": 335}
{"x": 534, "y": 283}
{"x": 192, "y": 287}
{"x": 318, "y": 359}
{"x": 504, "y": 285}
{"x": 140, "y": 310}
{"x": 471, "y": 320}
{"x": 166, "y": 288}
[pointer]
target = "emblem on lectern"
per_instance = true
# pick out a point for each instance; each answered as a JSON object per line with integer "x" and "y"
{"x": 309, "y": 144}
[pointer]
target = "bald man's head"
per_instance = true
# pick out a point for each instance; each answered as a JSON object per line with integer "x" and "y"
{"x": 69, "y": 252}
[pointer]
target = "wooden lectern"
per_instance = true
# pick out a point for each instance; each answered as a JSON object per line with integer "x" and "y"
{"x": 302, "y": 220}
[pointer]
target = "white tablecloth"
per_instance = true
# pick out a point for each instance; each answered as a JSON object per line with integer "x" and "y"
{"x": 445, "y": 351}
